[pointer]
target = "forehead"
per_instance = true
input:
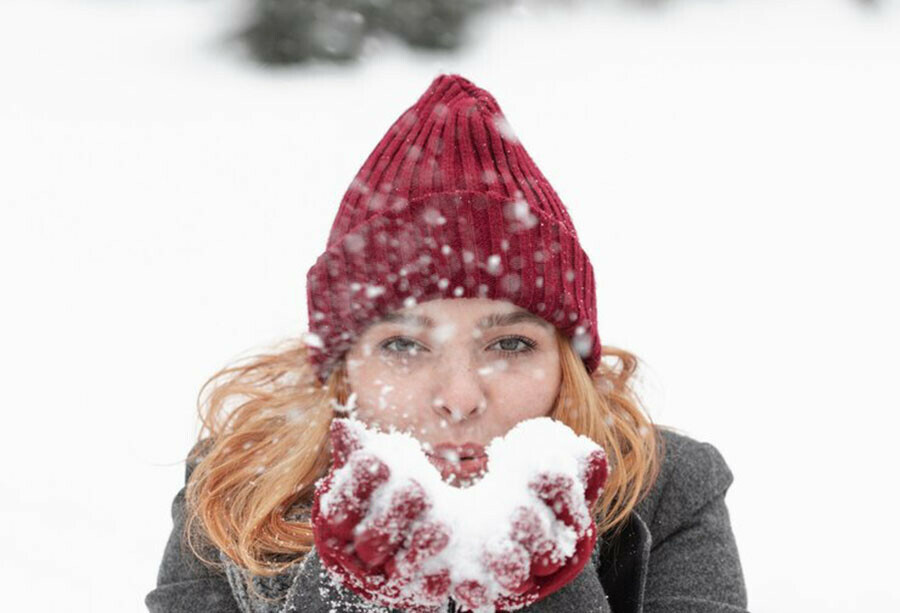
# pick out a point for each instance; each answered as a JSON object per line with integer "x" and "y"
{"x": 481, "y": 313}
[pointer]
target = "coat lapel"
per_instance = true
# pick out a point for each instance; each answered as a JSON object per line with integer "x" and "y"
{"x": 623, "y": 565}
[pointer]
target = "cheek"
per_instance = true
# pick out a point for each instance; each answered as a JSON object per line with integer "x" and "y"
{"x": 525, "y": 397}
{"x": 528, "y": 390}
{"x": 384, "y": 398}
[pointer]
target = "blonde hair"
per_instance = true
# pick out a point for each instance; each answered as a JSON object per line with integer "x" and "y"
{"x": 263, "y": 457}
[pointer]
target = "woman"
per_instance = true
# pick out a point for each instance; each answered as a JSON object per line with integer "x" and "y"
{"x": 453, "y": 301}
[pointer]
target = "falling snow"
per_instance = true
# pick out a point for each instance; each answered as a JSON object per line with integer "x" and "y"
{"x": 519, "y": 213}
{"x": 313, "y": 340}
{"x": 373, "y": 291}
{"x": 433, "y": 217}
{"x": 505, "y": 128}
{"x": 493, "y": 264}
{"x": 443, "y": 332}
{"x": 354, "y": 243}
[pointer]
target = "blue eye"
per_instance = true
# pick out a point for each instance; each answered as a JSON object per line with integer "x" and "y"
{"x": 529, "y": 346}
{"x": 510, "y": 346}
{"x": 397, "y": 339}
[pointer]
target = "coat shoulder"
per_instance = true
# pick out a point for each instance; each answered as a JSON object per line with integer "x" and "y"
{"x": 268, "y": 593}
{"x": 693, "y": 473}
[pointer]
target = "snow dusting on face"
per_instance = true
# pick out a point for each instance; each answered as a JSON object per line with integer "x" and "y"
{"x": 443, "y": 333}
{"x": 479, "y": 516}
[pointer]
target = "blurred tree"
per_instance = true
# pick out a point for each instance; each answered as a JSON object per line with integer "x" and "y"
{"x": 292, "y": 31}
{"x": 435, "y": 24}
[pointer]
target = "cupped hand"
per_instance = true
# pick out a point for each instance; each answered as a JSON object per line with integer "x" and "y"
{"x": 391, "y": 552}
{"x": 377, "y": 554}
{"x": 536, "y": 565}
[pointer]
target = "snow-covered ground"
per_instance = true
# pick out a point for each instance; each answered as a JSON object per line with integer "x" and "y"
{"x": 731, "y": 167}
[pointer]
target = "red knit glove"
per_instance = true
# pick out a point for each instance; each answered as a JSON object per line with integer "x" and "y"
{"x": 535, "y": 567}
{"x": 380, "y": 555}
{"x": 377, "y": 555}
{"x": 531, "y": 566}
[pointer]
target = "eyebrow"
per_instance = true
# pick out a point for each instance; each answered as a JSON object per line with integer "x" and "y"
{"x": 489, "y": 321}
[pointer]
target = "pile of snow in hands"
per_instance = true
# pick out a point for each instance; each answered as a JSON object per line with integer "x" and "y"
{"x": 480, "y": 516}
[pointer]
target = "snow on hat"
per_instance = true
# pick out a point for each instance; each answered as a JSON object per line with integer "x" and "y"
{"x": 449, "y": 205}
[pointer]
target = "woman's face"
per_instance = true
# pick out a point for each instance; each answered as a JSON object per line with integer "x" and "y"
{"x": 455, "y": 371}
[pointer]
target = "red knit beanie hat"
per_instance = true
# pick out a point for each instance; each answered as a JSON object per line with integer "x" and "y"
{"x": 449, "y": 205}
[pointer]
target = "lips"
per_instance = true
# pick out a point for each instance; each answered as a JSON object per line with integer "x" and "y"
{"x": 464, "y": 461}
{"x": 454, "y": 451}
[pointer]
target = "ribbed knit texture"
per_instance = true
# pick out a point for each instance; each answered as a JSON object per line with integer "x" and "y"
{"x": 449, "y": 205}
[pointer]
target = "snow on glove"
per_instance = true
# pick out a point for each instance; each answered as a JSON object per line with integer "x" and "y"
{"x": 548, "y": 567}
{"x": 388, "y": 527}
{"x": 376, "y": 552}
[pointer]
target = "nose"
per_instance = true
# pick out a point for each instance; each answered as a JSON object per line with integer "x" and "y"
{"x": 459, "y": 392}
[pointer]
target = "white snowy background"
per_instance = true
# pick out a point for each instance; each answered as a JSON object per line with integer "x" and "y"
{"x": 731, "y": 166}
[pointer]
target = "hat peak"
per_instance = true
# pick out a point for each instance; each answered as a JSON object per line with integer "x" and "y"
{"x": 448, "y": 86}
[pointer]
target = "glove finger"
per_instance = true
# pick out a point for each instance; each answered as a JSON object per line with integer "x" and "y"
{"x": 557, "y": 491}
{"x": 510, "y": 566}
{"x": 471, "y": 593}
{"x": 528, "y": 531}
{"x": 436, "y": 585}
{"x": 369, "y": 473}
{"x": 546, "y": 558}
{"x": 573, "y": 567}
{"x": 342, "y": 558}
{"x": 373, "y": 546}
{"x": 344, "y": 441}
{"x": 349, "y": 502}
{"x": 384, "y": 535}
{"x": 526, "y": 527}
{"x": 526, "y": 594}
{"x": 523, "y": 588}
{"x": 513, "y": 602}
{"x": 428, "y": 592}
{"x": 596, "y": 474}
{"x": 428, "y": 539}
{"x": 407, "y": 504}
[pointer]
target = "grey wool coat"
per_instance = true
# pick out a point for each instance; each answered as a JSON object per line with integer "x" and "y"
{"x": 676, "y": 554}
